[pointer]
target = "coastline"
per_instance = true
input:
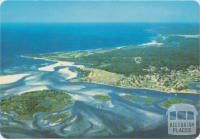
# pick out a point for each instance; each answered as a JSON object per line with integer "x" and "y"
{"x": 73, "y": 75}
{"x": 38, "y": 88}
{"x": 189, "y": 36}
{"x": 140, "y": 88}
{"x": 93, "y": 78}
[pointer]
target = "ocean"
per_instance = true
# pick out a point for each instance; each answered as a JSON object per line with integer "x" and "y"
{"x": 24, "y": 39}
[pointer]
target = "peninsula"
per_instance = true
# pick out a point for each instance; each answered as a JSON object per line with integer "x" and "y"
{"x": 167, "y": 69}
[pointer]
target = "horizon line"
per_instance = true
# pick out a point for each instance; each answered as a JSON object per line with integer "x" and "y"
{"x": 99, "y": 22}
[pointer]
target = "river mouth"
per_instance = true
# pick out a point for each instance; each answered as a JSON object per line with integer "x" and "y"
{"x": 98, "y": 110}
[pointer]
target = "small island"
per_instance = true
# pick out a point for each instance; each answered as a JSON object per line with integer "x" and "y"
{"x": 144, "y": 100}
{"x": 171, "y": 101}
{"x": 102, "y": 97}
{"x": 128, "y": 97}
{"x": 27, "y": 104}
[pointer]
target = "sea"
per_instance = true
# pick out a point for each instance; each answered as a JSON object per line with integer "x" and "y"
{"x": 23, "y": 39}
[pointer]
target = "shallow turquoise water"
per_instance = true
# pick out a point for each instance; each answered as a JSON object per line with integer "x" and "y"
{"x": 90, "y": 117}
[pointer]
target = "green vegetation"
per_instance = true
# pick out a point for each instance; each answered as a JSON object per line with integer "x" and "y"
{"x": 148, "y": 100}
{"x": 84, "y": 71}
{"x": 168, "y": 68}
{"x": 101, "y": 76}
{"x": 102, "y": 97}
{"x": 27, "y": 104}
{"x": 128, "y": 97}
{"x": 171, "y": 101}
{"x": 58, "y": 117}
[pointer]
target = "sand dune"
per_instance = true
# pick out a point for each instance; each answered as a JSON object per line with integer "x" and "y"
{"x": 7, "y": 79}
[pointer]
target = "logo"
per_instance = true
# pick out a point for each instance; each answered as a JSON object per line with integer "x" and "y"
{"x": 182, "y": 119}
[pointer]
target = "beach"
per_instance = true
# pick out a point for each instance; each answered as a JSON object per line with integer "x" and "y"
{"x": 70, "y": 74}
{"x": 189, "y": 36}
{"x": 64, "y": 71}
{"x": 152, "y": 43}
{"x": 53, "y": 66}
{"x": 7, "y": 79}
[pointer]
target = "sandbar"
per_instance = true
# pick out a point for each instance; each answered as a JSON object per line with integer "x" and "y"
{"x": 53, "y": 66}
{"x": 7, "y": 79}
{"x": 70, "y": 73}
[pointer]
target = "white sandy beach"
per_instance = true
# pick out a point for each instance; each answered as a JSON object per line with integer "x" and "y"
{"x": 53, "y": 66}
{"x": 7, "y": 79}
{"x": 152, "y": 43}
{"x": 189, "y": 36}
{"x": 70, "y": 74}
{"x": 120, "y": 47}
{"x": 65, "y": 71}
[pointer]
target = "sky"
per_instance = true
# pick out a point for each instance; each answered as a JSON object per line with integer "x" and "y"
{"x": 99, "y": 11}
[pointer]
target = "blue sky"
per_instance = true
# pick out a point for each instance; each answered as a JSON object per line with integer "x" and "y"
{"x": 99, "y": 11}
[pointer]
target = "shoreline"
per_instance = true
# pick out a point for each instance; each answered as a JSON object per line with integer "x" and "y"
{"x": 93, "y": 78}
{"x": 189, "y": 36}
{"x": 37, "y": 88}
{"x": 72, "y": 74}
{"x": 161, "y": 91}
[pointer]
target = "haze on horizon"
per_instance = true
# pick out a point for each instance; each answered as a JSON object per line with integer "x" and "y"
{"x": 100, "y": 11}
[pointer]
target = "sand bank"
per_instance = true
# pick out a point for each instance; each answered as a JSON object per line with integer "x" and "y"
{"x": 53, "y": 66}
{"x": 64, "y": 71}
{"x": 70, "y": 73}
{"x": 7, "y": 79}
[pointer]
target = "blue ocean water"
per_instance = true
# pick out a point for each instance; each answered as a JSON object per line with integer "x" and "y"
{"x": 23, "y": 39}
